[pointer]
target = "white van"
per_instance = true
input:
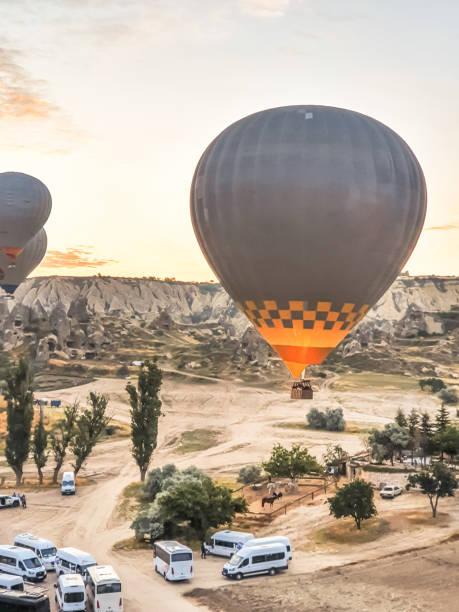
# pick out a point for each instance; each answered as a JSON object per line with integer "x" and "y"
{"x": 73, "y": 561}
{"x": 11, "y": 583}
{"x": 272, "y": 540}
{"x": 262, "y": 559}
{"x": 44, "y": 549}
{"x": 226, "y": 543}
{"x": 173, "y": 560}
{"x": 70, "y": 593}
{"x": 68, "y": 483}
{"x": 103, "y": 589}
{"x": 21, "y": 562}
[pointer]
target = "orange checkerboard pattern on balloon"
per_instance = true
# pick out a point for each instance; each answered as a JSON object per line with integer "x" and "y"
{"x": 302, "y": 332}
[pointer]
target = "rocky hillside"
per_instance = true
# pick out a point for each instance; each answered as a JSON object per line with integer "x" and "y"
{"x": 196, "y": 326}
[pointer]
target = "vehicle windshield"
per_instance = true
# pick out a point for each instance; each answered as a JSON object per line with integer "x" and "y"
{"x": 48, "y": 552}
{"x": 67, "y": 483}
{"x": 86, "y": 565}
{"x": 114, "y": 587}
{"x": 235, "y": 559}
{"x": 74, "y": 597}
{"x": 31, "y": 563}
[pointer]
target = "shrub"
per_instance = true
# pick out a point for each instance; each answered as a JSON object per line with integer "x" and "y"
{"x": 316, "y": 419}
{"x": 123, "y": 371}
{"x": 334, "y": 420}
{"x": 449, "y": 396}
{"x": 249, "y": 474}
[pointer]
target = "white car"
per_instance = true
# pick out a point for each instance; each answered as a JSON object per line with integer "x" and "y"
{"x": 390, "y": 492}
{"x": 9, "y": 501}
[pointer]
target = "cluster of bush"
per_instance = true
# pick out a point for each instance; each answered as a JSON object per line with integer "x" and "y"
{"x": 448, "y": 395}
{"x": 184, "y": 503}
{"x": 331, "y": 420}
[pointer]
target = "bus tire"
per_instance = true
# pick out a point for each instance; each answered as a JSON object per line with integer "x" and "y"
{"x": 239, "y": 576}
{"x": 272, "y": 571}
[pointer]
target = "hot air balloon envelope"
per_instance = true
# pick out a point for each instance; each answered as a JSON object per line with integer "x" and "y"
{"x": 307, "y": 214}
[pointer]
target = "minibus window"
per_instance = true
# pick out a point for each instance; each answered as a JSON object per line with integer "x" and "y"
{"x": 48, "y": 552}
{"x": 31, "y": 563}
{"x": 235, "y": 559}
{"x": 184, "y": 556}
{"x": 114, "y": 587}
{"x": 73, "y": 597}
{"x": 17, "y": 587}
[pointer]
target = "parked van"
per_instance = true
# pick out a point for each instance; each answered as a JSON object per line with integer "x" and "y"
{"x": 73, "y": 561}
{"x": 24, "y": 601}
{"x": 70, "y": 593}
{"x": 173, "y": 560}
{"x": 68, "y": 483}
{"x": 272, "y": 540}
{"x": 261, "y": 559}
{"x": 21, "y": 562}
{"x": 11, "y": 582}
{"x": 44, "y": 549}
{"x": 103, "y": 589}
{"x": 226, "y": 543}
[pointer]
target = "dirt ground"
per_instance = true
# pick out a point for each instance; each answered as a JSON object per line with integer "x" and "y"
{"x": 247, "y": 421}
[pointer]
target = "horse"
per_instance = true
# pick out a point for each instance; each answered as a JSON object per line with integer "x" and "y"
{"x": 270, "y": 500}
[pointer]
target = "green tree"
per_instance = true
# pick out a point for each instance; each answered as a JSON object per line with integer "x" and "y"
{"x": 354, "y": 499}
{"x": 19, "y": 415}
{"x": 61, "y": 436}
{"x": 442, "y": 418}
{"x": 40, "y": 444}
{"x": 145, "y": 413}
{"x": 437, "y": 482}
{"x": 413, "y": 431}
{"x": 154, "y": 481}
{"x": 334, "y": 419}
{"x": 201, "y": 504}
{"x": 316, "y": 419}
{"x": 435, "y": 384}
{"x": 90, "y": 425}
{"x": 249, "y": 474}
{"x": 293, "y": 463}
{"x": 386, "y": 442}
{"x": 400, "y": 418}
{"x": 426, "y": 436}
{"x": 447, "y": 441}
{"x": 449, "y": 396}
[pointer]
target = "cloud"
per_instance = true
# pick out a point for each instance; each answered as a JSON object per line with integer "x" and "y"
{"x": 21, "y": 96}
{"x": 264, "y": 8}
{"x": 77, "y": 257}
{"x": 445, "y": 227}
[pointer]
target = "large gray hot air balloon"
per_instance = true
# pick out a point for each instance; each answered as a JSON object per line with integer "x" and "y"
{"x": 25, "y": 205}
{"x": 307, "y": 214}
{"x": 29, "y": 258}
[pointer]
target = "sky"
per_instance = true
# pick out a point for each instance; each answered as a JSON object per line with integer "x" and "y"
{"x": 111, "y": 103}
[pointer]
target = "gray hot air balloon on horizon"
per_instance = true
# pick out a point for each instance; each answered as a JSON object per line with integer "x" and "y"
{"x": 307, "y": 214}
{"x": 25, "y": 205}
{"x": 29, "y": 258}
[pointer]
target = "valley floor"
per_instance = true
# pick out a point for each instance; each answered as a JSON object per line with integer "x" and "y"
{"x": 246, "y": 423}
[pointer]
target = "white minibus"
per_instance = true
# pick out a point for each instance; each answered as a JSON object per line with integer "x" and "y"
{"x": 73, "y": 561}
{"x": 44, "y": 549}
{"x": 103, "y": 589}
{"x": 272, "y": 540}
{"x": 70, "y": 593}
{"x": 261, "y": 559}
{"x": 21, "y": 562}
{"x": 68, "y": 483}
{"x": 11, "y": 583}
{"x": 173, "y": 560}
{"x": 225, "y": 543}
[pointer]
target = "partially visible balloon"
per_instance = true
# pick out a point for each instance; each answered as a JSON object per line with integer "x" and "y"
{"x": 11, "y": 276}
{"x": 307, "y": 214}
{"x": 25, "y": 205}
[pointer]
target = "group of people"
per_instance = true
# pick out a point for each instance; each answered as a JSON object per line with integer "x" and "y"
{"x": 22, "y": 499}
{"x": 302, "y": 384}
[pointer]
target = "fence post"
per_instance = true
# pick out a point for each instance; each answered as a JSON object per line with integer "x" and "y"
{"x": 313, "y": 495}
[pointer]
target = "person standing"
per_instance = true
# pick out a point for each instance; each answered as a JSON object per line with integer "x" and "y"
{"x": 203, "y": 550}
{"x": 23, "y": 501}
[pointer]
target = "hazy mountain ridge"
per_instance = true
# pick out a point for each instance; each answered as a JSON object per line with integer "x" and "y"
{"x": 87, "y": 318}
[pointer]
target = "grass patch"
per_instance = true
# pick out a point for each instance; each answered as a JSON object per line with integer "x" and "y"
{"x": 131, "y": 544}
{"x": 237, "y": 447}
{"x": 195, "y": 440}
{"x": 388, "y": 469}
{"x": 352, "y": 427}
{"x": 375, "y": 380}
{"x": 344, "y": 532}
{"x": 130, "y": 501}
